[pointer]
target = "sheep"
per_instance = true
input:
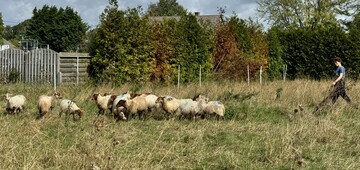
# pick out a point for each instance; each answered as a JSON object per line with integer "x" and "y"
{"x": 15, "y": 104}
{"x": 135, "y": 105}
{"x": 170, "y": 104}
{"x": 150, "y": 100}
{"x": 103, "y": 102}
{"x": 118, "y": 111}
{"x": 47, "y": 103}
{"x": 70, "y": 107}
{"x": 191, "y": 108}
{"x": 211, "y": 107}
{"x": 215, "y": 107}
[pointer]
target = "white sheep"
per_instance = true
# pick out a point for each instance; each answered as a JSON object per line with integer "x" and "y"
{"x": 136, "y": 105}
{"x": 150, "y": 100}
{"x": 215, "y": 107}
{"x": 15, "y": 104}
{"x": 211, "y": 107}
{"x": 171, "y": 104}
{"x": 191, "y": 108}
{"x": 47, "y": 103}
{"x": 70, "y": 107}
{"x": 103, "y": 102}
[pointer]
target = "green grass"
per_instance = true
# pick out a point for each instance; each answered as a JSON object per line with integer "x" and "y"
{"x": 257, "y": 132}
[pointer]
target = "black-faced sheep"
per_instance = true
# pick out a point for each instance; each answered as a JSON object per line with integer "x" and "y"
{"x": 70, "y": 107}
{"x": 15, "y": 104}
{"x": 47, "y": 103}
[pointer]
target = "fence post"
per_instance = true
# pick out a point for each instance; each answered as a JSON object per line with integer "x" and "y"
{"x": 55, "y": 72}
{"x": 178, "y": 76}
{"x": 248, "y": 74}
{"x": 200, "y": 76}
{"x": 284, "y": 72}
{"x": 260, "y": 74}
{"x": 77, "y": 70}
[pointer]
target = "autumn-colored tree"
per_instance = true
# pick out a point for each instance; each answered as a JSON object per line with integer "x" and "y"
{"x": 239, "y": 45}
{"x": 163, "y": 50}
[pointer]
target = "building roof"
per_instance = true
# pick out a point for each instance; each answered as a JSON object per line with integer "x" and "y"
{"x": 6, "y": 42}
{"x": 212, "y": 19}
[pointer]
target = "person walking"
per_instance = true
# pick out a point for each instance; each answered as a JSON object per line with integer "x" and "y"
{"x": 338, "y": 87}
{"x": 339, "y": 83}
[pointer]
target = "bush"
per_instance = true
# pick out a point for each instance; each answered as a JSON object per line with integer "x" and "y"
{"x": 14, "y": 76}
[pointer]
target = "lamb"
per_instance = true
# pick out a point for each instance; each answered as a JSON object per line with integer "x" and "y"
{"x": 191, "y": 108}
{"x": 15, "y": 104}
{"x": 135, "y": 105}
{"x": 70, "y": 107}
{"x": 47, "y": 103}
{"x": 103, "y": 102}
{"x": 211, "y": 107}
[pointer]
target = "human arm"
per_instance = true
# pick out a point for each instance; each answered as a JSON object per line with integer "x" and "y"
{"x": 338, "y": 79}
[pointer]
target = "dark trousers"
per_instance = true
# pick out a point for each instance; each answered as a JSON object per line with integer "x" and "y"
{"x": 339, "y": 90}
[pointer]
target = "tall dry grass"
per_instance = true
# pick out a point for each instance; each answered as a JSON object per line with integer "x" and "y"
{"x": 260, "y": 130}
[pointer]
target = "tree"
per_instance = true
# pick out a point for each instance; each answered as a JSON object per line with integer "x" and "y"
{"x": 123, "y": 46}
{"x": 304, "y": 13}
{"x": 276, "y": 63}
{"x": 166, "y": 8}
{"x": 354, "y": 36}
{"x": 15, "y": 33}
{"x": 240, "y": 44}
{"x": 193, "y": 48}
{"x": 1, "y": 28}
{"x": 63, "y": 29}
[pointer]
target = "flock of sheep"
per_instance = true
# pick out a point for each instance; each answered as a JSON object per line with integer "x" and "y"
{"x": 124, "y": 106}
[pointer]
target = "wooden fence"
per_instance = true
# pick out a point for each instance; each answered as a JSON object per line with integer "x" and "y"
{"x": 73, "y": 67}
{"x": 43, "y": 65}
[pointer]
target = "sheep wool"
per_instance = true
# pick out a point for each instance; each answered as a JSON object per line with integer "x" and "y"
{"x": 103, "y": 102}
{"x": 70, "y": 107}
{"x": 15, "y": 104}
{"x": 136, "y": 105}
{"x": 47, "y": 103}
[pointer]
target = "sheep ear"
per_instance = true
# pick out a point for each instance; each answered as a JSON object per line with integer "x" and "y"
{"x": 196, "y": 97}
{"x": 169, "y": 99}
{"x": 112, "y": 98}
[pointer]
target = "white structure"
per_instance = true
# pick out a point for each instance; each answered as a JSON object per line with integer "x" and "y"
{"x": 4, "y": 47}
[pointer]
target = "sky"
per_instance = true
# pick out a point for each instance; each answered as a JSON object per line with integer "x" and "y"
{"x": 16, "y": 11}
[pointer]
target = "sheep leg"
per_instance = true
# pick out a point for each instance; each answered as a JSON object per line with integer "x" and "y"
{"x": 101, "y": 112}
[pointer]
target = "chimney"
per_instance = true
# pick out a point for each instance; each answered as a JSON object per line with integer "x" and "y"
{"x": 197, "y": 13}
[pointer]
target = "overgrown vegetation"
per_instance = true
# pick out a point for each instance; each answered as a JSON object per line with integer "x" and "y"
{"x": 260, "y": 131}
{"x": 61, "y": 28}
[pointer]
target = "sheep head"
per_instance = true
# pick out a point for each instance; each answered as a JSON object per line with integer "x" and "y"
{"x": 112, "y": 98}
{"x": 8, "y": 96}
{"x": 58, "y": 95}
{"x": 133, "y": 95}
{"x": 79, "y": 112}
{"x": 160, "y": 100}
{"x": 200, "y": 97}
{"x": 95, "y": 96}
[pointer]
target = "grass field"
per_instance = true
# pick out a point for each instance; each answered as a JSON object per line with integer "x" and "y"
{"x": 260, "y": 130}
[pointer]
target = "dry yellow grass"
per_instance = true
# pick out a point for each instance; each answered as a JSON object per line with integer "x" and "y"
{"x": 259, "y": 132}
